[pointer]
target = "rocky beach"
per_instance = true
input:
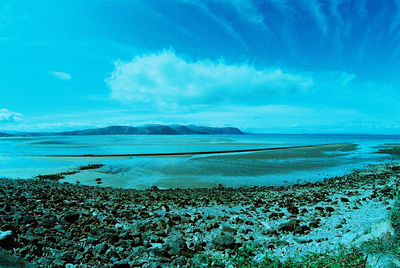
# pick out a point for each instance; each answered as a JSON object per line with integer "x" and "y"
{"x": 51, "y": 223}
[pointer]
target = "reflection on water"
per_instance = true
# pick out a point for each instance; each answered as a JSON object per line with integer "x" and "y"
{"x": 19, "y": 158}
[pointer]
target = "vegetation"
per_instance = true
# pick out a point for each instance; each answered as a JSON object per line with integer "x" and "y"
{"x": 395, "y": 212}
{"x": 244, "y": 257}
{"x": 342, "y": 257}
{"x": 9, "y": 260}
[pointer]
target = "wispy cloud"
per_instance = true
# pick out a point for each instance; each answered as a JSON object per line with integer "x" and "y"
{"x": 165, "y": 78}
{"x": 9, "y": 116}
{"x": 61, "y": 75}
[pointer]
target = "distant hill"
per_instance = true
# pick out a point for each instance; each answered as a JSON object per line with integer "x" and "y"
{"x": 154, "y": 130}
{"x": 5, "y": 135}
{"x": 143, "y": 130}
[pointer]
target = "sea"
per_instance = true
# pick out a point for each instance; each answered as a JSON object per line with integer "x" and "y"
{"x": 28, "y": 157}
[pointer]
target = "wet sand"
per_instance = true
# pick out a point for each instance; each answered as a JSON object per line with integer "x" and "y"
{"x": 265, "y": 168}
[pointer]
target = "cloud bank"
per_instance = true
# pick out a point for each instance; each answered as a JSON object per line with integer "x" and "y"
{"x": 166, "y": 78}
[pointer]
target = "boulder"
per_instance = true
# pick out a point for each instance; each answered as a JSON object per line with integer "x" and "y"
{"x": 71, "y": 216}
{"x": 289, "y": 226}
{"x": 6, "y": 239}
{"x": 224, "y": 241}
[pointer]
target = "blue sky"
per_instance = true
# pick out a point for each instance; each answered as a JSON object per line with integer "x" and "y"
{"x": 274, "y": 66}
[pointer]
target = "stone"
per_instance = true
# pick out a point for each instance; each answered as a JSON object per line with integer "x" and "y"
{"x": 224, "y": 241}
{"x": 6, "y": 239}
{"x": 71, "y": 216}
{"x": 122, "y": 264}
{"x": 293, "y": 210}
{"x": 139, "y": 251}
{"x": 174, "y": 245}
{"x": 329, "y": 209}
{"x": 229, "y": 229}
{"x": 289, "y": 226}
{"x": 40, "y": 231}
{"x": 344, "y": 199}
{"x": 27, "y": 219}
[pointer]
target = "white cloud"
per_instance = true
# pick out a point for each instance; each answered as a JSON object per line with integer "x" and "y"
{"x": 9, "y": 116}
{"x": 167, "y": 79}
{"x": 61, "y": 75}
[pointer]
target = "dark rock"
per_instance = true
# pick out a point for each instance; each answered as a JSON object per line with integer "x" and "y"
{"x": 315, "y": 223}
{"x": 71, "y": 216}
{"x": 275, "y": 216}
{"x": 27, "y": 219}
{"x": 122, "y": 264}
{"x": 224, "y": 241}
{"x": 40, "y": 231}
{"x": 229, "y": 229}
{"x": 304, "y": 211}
{"x": 329, "y": 209}
{"x": 6, "y": 239}
{"x": 289, "y": 226}
{"x": 293, "y": 210}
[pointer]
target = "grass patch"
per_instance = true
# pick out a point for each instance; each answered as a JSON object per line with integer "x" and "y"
{"x": 245, "y": 257}
{"x": 9, "y": 260}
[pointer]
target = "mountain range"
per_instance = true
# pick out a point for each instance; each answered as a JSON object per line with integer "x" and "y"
{"x": 142, "y": 130}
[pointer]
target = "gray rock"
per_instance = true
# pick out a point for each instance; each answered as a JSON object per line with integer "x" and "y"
{"x": 40, "y": 231}
{"x": 174, "y": 245}
{"x": 139, "y": 251}
{"x": 224, "y": 241}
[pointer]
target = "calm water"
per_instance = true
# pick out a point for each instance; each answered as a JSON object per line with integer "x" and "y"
{"x": 20, "y": 158}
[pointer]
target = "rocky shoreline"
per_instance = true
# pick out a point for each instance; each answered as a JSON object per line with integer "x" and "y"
{"x": 50, "y": 223}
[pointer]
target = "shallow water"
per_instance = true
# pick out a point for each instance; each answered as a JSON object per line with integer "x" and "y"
{"x": 23, "y": 158}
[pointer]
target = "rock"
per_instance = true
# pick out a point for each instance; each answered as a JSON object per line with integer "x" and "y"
{"x": 67, "y": 256}
{"x": 122, "y": 264}
{"x": 101, "y": 248}
{"x": 175, "y": 245}
{"x": 344, "y": 199}
{"x": 6, "y": 239}
{"x": 228, "y": 229}
{"x": 27, "y": 219}
{"x": 289, "y": 226}
{"x": 275, "y": 216}
{"x": 224, "y": 241}
{"x": 304, "y": 211}
{"x": 329, "y": 209}
{"x": 319, "y": 210}
{"x": 293, "y": 210}
{"x": 58, "y": 263}
{"x": 71, "y": 216}
{"x": 315, "y": 223}
{"x": 40, "y": 231}
{"x": 139, "y": 251}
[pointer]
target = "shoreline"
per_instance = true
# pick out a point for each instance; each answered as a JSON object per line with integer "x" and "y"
{"x": 55, "y": 223}
{"x": 196, "y": 153}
